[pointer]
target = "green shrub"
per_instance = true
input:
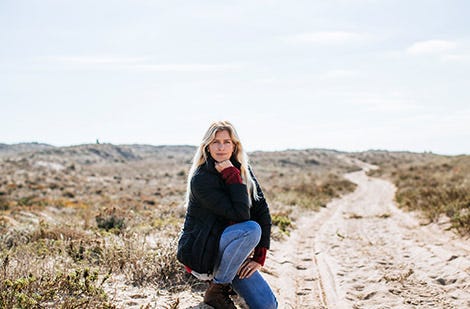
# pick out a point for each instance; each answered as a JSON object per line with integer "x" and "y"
{"x": 283, "y": 222}
{"x": 77, "y": 289}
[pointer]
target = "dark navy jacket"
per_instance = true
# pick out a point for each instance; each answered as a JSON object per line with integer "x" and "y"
{"x": 212, "y": 206}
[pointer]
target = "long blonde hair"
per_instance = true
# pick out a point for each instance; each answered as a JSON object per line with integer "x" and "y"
{"x": 201, "y": 156}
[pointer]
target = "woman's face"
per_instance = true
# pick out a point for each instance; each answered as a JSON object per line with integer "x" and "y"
{"x": 221, "y": 148}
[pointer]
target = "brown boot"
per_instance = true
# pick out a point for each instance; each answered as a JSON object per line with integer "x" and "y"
{"x": 217, "y": 296}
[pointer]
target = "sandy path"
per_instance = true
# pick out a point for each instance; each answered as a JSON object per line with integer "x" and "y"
{"x": 360, "y": 251}
{"x": 363, "y": 252}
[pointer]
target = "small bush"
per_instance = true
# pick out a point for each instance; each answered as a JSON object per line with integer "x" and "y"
{"x": 4, "y": 205}
{"x": 283, "y": 222}
{"x": 26, "y": 201}
{"x": 109, "y": 220}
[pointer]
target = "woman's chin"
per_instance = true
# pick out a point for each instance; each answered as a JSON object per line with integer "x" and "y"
{"x": 220, "y": 159}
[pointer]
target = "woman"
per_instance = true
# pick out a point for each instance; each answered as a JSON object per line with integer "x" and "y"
{"x": 227, "y": 219}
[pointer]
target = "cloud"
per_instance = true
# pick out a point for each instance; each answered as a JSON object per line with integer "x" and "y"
{"x": 457, "y": 57}
{"x": 190, "y": 67}
{"x": 431, "y": 47}
{"x": 379, "y": 103}
{"x": 140, "y": 64}
{"x": 328, "y": 37}
{"x": 338, "y": 74}
{"x": 98, "y": 60}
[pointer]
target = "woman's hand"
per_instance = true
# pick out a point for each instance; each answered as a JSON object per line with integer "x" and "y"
{"x": 248, "y": 268}
{"x": 220, "y": 166}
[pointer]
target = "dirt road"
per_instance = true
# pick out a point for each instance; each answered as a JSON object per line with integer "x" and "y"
{"x": 361, "y": 251}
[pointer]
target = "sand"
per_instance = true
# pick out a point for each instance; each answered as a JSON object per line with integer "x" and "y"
{"x": 360, "y": 251}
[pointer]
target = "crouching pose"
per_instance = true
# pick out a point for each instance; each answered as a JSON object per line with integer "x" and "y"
{"x": 227, "y": 227}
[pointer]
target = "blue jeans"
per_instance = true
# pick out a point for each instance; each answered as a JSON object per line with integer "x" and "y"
{"x": 237, "y": 242}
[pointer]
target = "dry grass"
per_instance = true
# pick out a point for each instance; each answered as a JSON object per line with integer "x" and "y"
{"x": 295, "y": 181}
{"x": 435, "y": 185}
{"x": 73, "y": 218}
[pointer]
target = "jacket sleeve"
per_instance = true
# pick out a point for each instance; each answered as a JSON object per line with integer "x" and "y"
{"x": 260, "y": 213}
{"x": 231, "y": 203}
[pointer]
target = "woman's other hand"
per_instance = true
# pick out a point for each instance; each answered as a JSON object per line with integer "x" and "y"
{"x": 248, "y": 268}
{"x": 220, "y": 166}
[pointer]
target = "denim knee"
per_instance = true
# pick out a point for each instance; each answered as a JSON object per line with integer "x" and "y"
{"x": 252, "y": 230}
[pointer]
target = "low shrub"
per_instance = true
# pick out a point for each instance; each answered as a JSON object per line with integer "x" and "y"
{"x": 78, "y": 288}
{"x": 110, "y": 220}
{"x": 283, "y": 222}
{"x": 434, "y": 185}
{"x": 311, "y": 191}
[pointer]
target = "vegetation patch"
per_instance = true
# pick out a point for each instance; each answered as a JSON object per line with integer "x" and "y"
{"x": 312, "y": 191}
{"x": 79, "y": 288}
{"x": 283, "y": 222}
{"x": 110, "y": 220}
{"x": 69, "y": 234}
{"x": 435, "y": 185}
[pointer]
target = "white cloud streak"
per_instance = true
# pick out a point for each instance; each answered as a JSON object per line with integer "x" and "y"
{"x": 341, "y": 74}
{"x": 191, "y": 67}
{"x": 431, "y": 47}
{"x": 140, "y": 64}
{"x": 329, "y": 37}
{"x": 379, "y": 103}
{"x": 98, "y": 60}
{"x": 457, "y": 58}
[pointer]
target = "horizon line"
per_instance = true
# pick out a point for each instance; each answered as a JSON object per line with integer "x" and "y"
{"x": 256, "y": 150}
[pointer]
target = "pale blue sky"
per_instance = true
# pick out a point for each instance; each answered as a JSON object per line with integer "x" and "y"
{"x": 341, "y": 74}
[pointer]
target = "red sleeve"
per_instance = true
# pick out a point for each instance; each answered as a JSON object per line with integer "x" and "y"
{"x": 231, "y": 175}
{"x": 260, "y": 255}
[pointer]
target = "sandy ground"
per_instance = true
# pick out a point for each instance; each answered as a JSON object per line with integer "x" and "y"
{"x": 363, "y": 252}
{"x": 360, "y": 251}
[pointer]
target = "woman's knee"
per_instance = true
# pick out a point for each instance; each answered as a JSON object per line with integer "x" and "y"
{"x": 249, "y": 231}
{"x": 252, "y": 225}
{"x": 253, "y": 229}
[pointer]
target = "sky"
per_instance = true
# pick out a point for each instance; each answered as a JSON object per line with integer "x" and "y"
{"x": 350, "y": 75}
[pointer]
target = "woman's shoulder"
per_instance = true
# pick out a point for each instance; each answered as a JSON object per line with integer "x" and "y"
{"x": 201, "y": 170}
{"x": 203, "y": 174}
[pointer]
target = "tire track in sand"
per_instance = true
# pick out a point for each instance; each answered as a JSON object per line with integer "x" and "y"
{"x": 293, "y": 267}
{"x": 361, "y": 251}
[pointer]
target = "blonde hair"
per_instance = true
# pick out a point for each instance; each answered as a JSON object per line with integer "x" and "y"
{"x": 201, "y": 156}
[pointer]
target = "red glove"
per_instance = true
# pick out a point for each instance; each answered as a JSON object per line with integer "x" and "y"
{"x": 231, "y": 175}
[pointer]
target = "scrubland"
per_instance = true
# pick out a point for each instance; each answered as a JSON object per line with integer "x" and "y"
{"x": 73, "y": 219}
{"x": 436, "y": 186}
